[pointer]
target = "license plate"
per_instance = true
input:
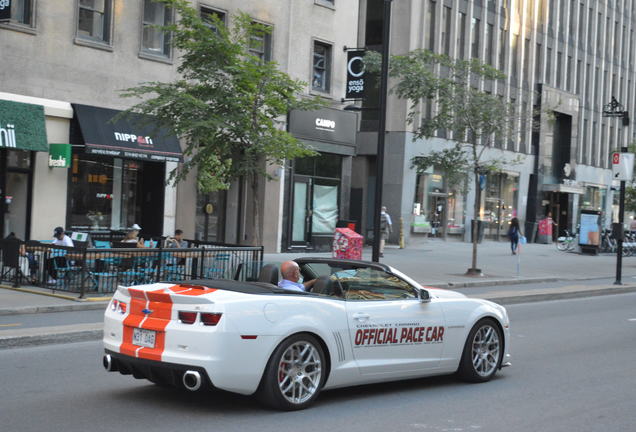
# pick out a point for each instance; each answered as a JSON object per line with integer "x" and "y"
{"x": 144, "y": 338}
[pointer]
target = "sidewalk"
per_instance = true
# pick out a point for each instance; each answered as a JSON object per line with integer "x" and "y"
{"x": 431, "y": 262}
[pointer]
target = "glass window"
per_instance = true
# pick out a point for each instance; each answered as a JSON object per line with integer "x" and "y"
{"x": 22, "y": 12}
{"x": 474, "y": 51}
{"x": 490, "y": 29}
{"x": 461, "y": 36}
{"x": 208, "y": 15}
{"x": 446, "y": 30}
{"x": 261, "y": 45}
{"x": 373, "y": 284}
{"x": 19, "y": 159}
{"x": 154, "y": 39}
{"x": 323, "y": 165}
{"x": 91, "y": 192}
{"x": 321, "y": 67}
{"x": 209, "y": 216}
{"x": 430, "y": 19}
{"x": 94, "y": 20}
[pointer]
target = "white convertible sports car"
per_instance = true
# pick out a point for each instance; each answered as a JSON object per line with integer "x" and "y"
{"x": 361, "y": 323}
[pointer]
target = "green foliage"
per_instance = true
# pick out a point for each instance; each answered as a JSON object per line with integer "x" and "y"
{"x": 228, "y": 105}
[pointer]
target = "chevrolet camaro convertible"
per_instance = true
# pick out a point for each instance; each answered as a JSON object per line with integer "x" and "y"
{"x": 360, "y": 323}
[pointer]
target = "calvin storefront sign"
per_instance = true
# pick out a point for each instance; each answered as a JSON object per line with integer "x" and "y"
{"x": 7, "y": 135}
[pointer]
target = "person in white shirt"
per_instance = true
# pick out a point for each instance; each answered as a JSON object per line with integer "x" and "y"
{"x": 61, "y": 239}
{"x": 292, "y": 278}
{"x": 386, "y": 226}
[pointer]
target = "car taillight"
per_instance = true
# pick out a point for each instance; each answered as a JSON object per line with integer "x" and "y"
{"x": 210, "y": 319}
{"x": 187, "y": 317}
{"x": 118, "y": 306}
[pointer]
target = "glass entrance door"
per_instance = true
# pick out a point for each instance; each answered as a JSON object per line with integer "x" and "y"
{"x": 301, "y": 212}
{"x": 15, "y": 208}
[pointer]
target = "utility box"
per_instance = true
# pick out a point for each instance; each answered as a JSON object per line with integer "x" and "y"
{"x": 347, "y": 244}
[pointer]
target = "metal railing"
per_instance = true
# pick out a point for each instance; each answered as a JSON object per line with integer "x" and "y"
{"x": 101, "y": 270}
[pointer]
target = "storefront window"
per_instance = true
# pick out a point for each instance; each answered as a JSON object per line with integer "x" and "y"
{"x": 18, "y": 159}
{"x": 432, "y": 202}
{"x": 594, "y": 199}
{"x": 499, "y": 203}
{"x": 113, "y": 193}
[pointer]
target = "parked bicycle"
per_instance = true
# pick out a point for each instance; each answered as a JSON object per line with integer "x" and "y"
{"x": 608, "y": 242}
{"x": 567, "y": 242}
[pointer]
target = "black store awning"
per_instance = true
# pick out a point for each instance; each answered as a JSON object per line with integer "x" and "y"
{"x": 134, "y": 136}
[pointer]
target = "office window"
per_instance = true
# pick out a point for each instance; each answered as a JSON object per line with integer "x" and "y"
{"x": 22, "y": 12}
{"x": 446, "y": 29}
{"x": 503, "y": 42}
{"x": 94, "y": 20}
{"x": 526, "y": 61}
{"x": 490, "y": 30}
{"x": 514, "y": 58}
{"x": 430, "y": 18}
{"x": 461, "y": 36}
{"x": 321, "y": 67}
{"x": 474, "y": 48}
{"x": 548, "y": 66}
{"x": 538, "y": 63}
{"x": 581, "y": 24}
{"x": 568, "y": 74}
{"x": 154, "y": 40}
{"x": 208, "y": 15}
{"x": 559, "y": 68}
{"x": 589, "y": 29}
{"x": 571, "y": 16}
{"x": 261, "y": 45}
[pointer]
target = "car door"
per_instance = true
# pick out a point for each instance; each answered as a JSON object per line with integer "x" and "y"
{"x": 392, "y": 332}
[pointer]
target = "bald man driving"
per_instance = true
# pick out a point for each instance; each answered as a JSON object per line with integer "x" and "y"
{"x": 291, "y": 277}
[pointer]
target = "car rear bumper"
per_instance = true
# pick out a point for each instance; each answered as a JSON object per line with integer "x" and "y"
{"x": 156, "y": 371}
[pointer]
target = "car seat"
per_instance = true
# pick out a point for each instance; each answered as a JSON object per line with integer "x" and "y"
{"x": 269, "y": 274}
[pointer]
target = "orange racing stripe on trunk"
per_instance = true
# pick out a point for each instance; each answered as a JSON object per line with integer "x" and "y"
{"x": 133, "y": 320}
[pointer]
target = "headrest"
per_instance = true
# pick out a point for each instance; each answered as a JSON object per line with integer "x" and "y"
{"x": 269, "y": 274}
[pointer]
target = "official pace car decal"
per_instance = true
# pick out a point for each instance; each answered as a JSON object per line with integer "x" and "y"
{"x": 373, "y": 335}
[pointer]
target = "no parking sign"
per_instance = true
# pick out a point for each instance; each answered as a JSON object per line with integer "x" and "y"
{"x": 622, "y": 166}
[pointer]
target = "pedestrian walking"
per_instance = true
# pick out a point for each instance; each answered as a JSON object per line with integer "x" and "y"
{"x": 386, "y": 226}
{"x": 514, "y": 233}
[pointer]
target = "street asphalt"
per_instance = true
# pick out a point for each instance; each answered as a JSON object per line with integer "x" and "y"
{"x": 572, "y": 370}
{"x": 540, "y": 272}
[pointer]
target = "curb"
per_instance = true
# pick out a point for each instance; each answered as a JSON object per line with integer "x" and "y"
{"x": 491, "y": 282}
{"x": 56, "y": 338}
{"x": 533, "y": 298}
{"x": 56, "y": 308}
{"x": 60, "y": 296}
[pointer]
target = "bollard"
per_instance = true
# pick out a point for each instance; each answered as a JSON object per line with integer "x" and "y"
{"x": 401, "y": 233}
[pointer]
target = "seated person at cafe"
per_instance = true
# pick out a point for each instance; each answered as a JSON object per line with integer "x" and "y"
{"x": 292, "y": 278}
{"x": 61, "y": 239}
{"x": 132, "y": 236}
{"x": 177, "y": 241}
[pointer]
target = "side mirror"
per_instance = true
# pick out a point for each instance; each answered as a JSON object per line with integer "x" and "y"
{"x": 424, "y": 296}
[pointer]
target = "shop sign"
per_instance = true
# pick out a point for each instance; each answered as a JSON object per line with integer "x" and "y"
{"x": 622, "y": 166}
{"x": 22, "y": 126}
{"x": 5, "y": 10}
{"x": 326, "y": 124}
{"x": 355, "y": 75}
{"x": 59, "y": 155}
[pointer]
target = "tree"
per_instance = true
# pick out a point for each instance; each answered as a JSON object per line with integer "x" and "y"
{"x": 474, "y": 117}
{"x": 228, "y": 105}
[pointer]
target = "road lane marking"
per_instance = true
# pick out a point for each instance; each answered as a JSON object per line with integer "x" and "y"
{"x": 631, "y": 319}
{"x": 10, "y": 325}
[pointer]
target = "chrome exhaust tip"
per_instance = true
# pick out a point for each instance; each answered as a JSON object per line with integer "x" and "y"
{"x": 108, "y": 363}
{"x": 192, "y": 380}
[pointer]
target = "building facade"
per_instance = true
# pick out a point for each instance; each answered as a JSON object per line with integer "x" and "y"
{"x": 564, "y": 59}
{"x": 73, "y": 59}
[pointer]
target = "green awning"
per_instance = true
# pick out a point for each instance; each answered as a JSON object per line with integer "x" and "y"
{"x": 22, "y": 126}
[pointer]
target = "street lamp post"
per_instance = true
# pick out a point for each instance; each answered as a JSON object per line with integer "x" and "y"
{"x": 379, "y": 178}
{"x": 615, "y": 109}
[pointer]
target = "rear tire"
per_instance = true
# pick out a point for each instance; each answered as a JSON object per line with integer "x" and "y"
{"x": 482, "y": 353}
{"x": 294, "y": 375}
{"x": 562, "y": 245}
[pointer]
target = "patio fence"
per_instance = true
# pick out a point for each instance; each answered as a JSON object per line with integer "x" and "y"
{"x": 101, "y": 270}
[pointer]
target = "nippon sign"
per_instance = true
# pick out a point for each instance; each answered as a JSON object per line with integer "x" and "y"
{"x": 622, "y": 166}
{"x": 7, "y": 135}
{"x": 355, "y": 75}
{"x": 5, "y": 10}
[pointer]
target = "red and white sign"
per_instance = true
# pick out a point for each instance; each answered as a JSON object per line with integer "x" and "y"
{"x": 622, "y": 166}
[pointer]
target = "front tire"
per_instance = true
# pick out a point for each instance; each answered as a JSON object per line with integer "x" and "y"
{"x": 294, "y": 375}
{"x": 482, "y": 353}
